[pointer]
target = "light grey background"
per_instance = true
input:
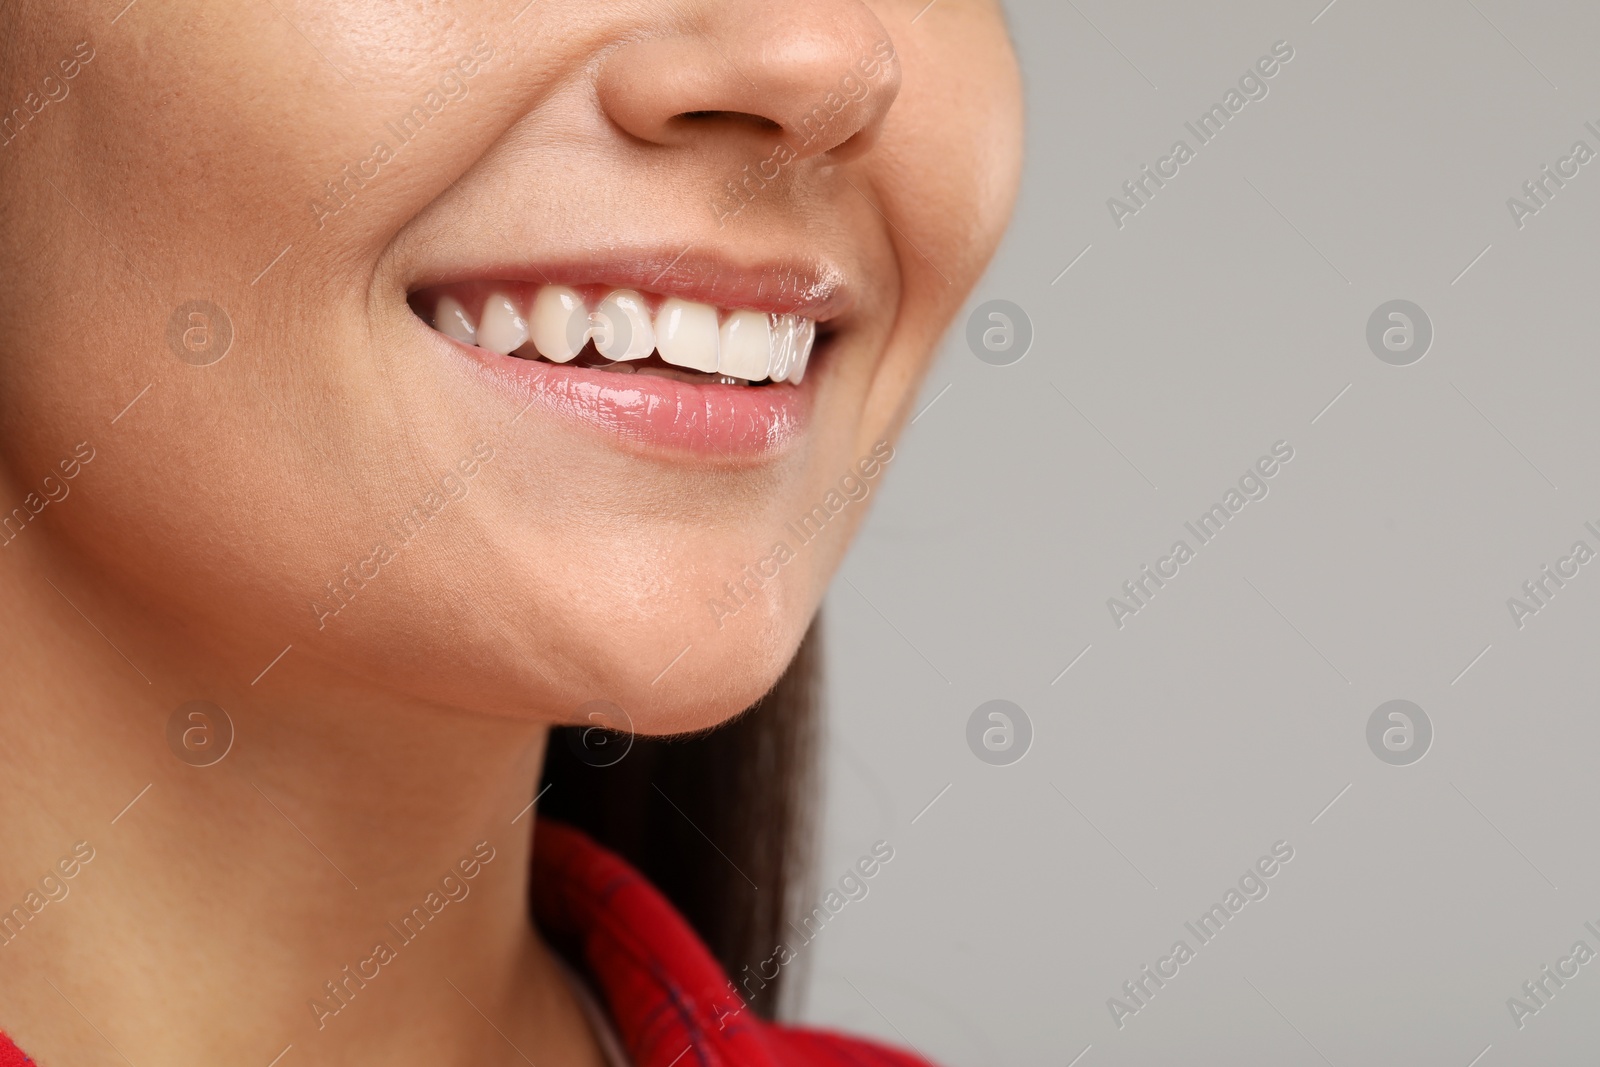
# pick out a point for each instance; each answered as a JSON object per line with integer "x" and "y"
{"x": 1226, "y": 716}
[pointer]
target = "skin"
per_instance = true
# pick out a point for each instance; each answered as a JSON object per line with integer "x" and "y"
{"x": 186, "y": 553}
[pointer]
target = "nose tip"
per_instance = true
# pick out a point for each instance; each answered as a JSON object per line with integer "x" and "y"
{"x": 821, "y": 74}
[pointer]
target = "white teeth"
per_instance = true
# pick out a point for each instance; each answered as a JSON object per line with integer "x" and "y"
{"x": 559, "y": 323}
{"x": 686, "y": 334}
{"x": 746, "y": 346}
{"x": 621, "y": 326}
{"x": 805, "y": 337}
{"x": 452, "y": 320}
{"x": 502, "y": 329}
{"x": 783, "y": 331}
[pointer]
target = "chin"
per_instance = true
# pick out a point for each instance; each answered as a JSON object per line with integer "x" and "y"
{"x": 625, "y": 639}
{"x": 673, "y": 666}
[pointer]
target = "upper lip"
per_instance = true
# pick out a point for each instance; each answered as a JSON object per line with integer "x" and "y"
{"x": 811, "y": 288}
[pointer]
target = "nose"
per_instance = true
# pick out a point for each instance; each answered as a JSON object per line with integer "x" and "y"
{"x": 820, "y": 74}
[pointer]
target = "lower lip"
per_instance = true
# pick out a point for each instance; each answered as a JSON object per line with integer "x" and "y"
{"x": 735, "y": 422}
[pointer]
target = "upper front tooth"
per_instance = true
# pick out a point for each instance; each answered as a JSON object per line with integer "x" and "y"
{"x": 502, "y": 328}
{"x": 559, "y": 325}
{"x": 805, "y": 337}
{"x": 686, "y": 334}
{"x": 746, "y": 346}
{"x": 783, "y": 347}
{"x": 621, "y": 326}
{"x": 452, "y": 320}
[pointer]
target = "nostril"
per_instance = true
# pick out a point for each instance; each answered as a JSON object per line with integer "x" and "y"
{"x": 804, "y": 74}
{"x": 759, "y": 122}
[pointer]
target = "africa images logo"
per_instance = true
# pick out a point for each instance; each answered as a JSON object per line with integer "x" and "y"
{"x": 1251, "y": 887}
{"x": 1252, "y": 85}
{"x": 1140, "y": 590}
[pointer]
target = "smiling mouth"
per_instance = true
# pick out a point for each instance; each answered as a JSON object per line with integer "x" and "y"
{"x": 623, "y": 331}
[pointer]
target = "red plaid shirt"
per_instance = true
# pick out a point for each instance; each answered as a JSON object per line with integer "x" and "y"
{"x": 671, "y": 1003}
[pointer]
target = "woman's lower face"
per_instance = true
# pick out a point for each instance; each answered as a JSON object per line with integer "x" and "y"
{"x": 498, "y": 356}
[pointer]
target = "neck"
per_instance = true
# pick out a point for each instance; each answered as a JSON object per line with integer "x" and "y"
{"x": 351, "y": 878}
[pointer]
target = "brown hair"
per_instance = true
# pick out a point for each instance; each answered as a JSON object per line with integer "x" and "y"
{"x": 719, "y": 821}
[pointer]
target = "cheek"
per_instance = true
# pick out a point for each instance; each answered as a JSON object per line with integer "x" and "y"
{"x": 213, "y": 125}
{"x": 958, "y": 152}
{"x": 945, "y": 173}
{"x": 237, "y": 482}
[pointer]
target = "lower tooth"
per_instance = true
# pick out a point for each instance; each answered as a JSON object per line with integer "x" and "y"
{"x": 661, "y": 372}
